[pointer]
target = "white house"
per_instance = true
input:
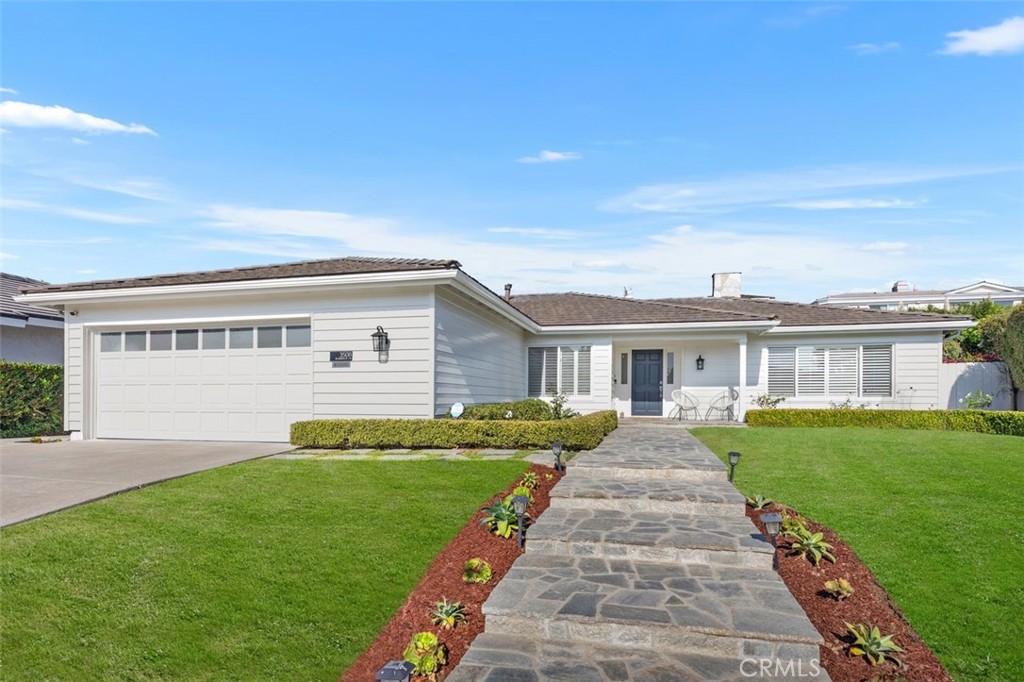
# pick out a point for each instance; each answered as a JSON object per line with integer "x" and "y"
{"x": 241, "y": 354}
{"x": 903, "y": 296}
{"x": 28, "y": 333}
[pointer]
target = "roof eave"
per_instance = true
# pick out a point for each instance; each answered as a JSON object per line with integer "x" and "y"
{"x": 941, "y": 325}
{"x": 753, "y": 326}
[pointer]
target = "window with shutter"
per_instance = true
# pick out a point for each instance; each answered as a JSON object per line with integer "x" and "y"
{"x": 550, "y": 371}
{"x": 535, "y": 372}
{"x": 842, "y": 371}
{"x": 876, "y": 370}
{"x": 568, "y": 384}
{"x": 781, "y": 371}
{"x": 583, "y": 371}
{"x": 810, "y": 371}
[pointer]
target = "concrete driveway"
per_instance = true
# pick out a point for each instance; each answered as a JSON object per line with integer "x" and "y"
{"x": 40, "y": 478}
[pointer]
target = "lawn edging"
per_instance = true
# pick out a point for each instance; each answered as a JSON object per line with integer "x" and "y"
{"x": 579, "y": 433}
{"x": 977, "y": 421}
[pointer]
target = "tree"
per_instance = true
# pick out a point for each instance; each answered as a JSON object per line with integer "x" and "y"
{"x": 1010, "y": 344}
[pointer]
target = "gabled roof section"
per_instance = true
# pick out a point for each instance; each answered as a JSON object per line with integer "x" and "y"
{"x": 577, "y": 309}
{"x": 989, "y": 286}
{"x": 352, "y": 265}
{"x": 806, "y": 315}
{"x": 12, "y": 285}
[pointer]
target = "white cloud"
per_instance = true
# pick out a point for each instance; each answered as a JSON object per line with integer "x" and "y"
{"x": 547, "y": 156}
{"x": 542, "y": 232}
{"x": 7, "y": 256}
{"x": 79, "y": 141}
{"x": 866, "y": 49}
{"x": 139, "y": 188}
{"x": 63, "y": 241}
{"x": 86, "y": 271}
{"x": 25, "y": 115}
{"x": 804, "y": 16}
{"x": 786, "y": 186}
{"x": 841, "y": 204}
{"x": 9, "y": 91}
{"x": 893, "y": 248}
{"x": 298, "y": 223}
{"x": 71, "y": 212}
{"x": 1006, "y": 37}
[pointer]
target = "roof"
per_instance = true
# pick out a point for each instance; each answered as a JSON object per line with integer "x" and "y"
{"x": 912, "y": 293}
{"x": 11, "y": 285}
{"x": 315, "y": 268}
{"x": 573, "y": 308}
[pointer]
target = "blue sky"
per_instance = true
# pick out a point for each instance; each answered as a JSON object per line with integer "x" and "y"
{"x": 815, "y": 147}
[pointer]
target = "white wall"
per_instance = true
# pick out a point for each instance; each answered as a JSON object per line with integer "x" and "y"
{"x": 479, "y": 357}
{"x": 957, "y": 380}
{"x": 32, "y": 344}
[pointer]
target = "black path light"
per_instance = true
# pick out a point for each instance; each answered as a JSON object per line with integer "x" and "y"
{"x": 734, "y": 459}
{"x": 395, "y": 670}
{"x": 519, "y": 504}
{"x": 772, "y": 522}
{"x": 556, "y": 449}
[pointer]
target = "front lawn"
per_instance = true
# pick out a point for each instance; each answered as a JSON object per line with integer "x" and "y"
{"x": 933, "y": 513}
{"x": 267, "y": 570}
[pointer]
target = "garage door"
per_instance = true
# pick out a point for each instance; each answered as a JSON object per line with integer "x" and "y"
{"x": 231, "y": 382}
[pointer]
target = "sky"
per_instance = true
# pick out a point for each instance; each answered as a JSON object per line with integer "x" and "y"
{"x": 816, "y": 148}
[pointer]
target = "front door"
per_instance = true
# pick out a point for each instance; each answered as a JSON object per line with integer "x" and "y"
{"x": 646, "y": 395}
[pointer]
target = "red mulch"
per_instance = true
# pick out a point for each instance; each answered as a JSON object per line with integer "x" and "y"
{"x": 444, "y": 579}
{"x": 870, "y": 604}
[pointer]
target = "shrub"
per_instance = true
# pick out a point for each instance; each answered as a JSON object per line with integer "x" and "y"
{"x": 869, "y": 642}
{"x": 476, "y": 570}
{"x": 531, "y": 410}
{"x": 839, "y": 589}
{"x": 1010, "y": 343}
{"x": 558, "y": 408}
{"x": 500, "y": 518}
{"x": 1003, "y": 423}
{"x": 426, "y": 653}
{"x": 448, "y": 614}
{"x": 31, "y": 399}
{"x": 767, "y": 402}
{"x": 977, "y": 400}
{"x": 810, "y": 545}
{"x": 582, "y": 433}
{"x": 529, "y": 481}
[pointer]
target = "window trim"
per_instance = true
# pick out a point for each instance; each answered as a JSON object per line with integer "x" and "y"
{"x": 541, "y": 354}
{"x": 826, "y": 351}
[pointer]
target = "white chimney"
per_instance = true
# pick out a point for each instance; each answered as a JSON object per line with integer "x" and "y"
{"x": 725, "y": 285}
{"x": 900, "y": 286}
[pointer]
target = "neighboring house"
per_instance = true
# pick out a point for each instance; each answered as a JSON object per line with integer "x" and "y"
{"x": 241, "y": 354}
{"x": 28, "y": 333}
{"x": 904, "y": 297}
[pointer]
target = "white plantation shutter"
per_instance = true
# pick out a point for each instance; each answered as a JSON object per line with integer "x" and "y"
{"x": 550, "y": 371}
{"x": 568, "y": 370}
{"x": 583, "y": 371}
{"x": 810, "y": 371}
{"x": 876, "y": 369}
{"x": 842, "y": 371}
{"x": 782, "y": 371}
{"x": 535, "y": 372}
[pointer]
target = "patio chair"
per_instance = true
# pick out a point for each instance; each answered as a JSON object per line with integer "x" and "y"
{"x": 686, "y": 403}
{"x": 723, "y": 404}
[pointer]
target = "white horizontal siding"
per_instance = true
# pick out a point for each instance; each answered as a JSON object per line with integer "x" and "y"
{"x": 73, "y": 377}
{"x": 479, "y": 358}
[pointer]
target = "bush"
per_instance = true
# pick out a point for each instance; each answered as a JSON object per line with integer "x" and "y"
{"x": 1003, "y": 423}
{"x": 31, "y": 399}
{"x": 531, "y": 410}
{"x": 581, "y": 433}
{"x": 1009, "y": 339}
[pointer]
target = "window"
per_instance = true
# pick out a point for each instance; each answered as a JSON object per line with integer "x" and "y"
{"x": 830, "y": 371}
{"x": 558, "y": 369}
{"x": 268, "y": 337}
{"x": 240, "y": 337}
{"x": 624, "y": 369}
{"x": 110, "y": 342}
{"x": 297, "y": 336}
{"x": 160, "y": 340}
{"x": 135, "y": 341}
{"x": 670, "y": 373}
{"x": 213, "y": 339}
{"x": 186, "y": 339}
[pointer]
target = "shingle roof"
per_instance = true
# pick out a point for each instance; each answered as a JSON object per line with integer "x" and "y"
{"x": 803, "y": 314}
{"x": 585, "y": 309}
{"x": 314, "y": 268}
{"x": 10, "y": 286}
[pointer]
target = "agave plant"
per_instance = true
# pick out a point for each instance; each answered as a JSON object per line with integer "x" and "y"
{"x": 810, "y": 545}
{"x": 476, "y": 570}
{"x": 839, "y": 589}
{"x": 426, "y": 653}
{"x": 793, "y": 526}
{"x": 869, "y": 642}
{"x": 448, "y": 614}
{"x": 500, "y": 518}
{"x": 759, "y": 501}
{"x": 520, "y": 490}
{"x": 529, "y": 480}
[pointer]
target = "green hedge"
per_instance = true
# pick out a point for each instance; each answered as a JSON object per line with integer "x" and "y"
{"x": 981, "y": 421}
{"x": 31, "y": 399}
{"x": 531, "y": 409}
{"x": 579, "y": 433}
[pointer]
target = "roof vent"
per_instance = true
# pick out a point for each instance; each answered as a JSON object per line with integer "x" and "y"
{"x": 725, "y": 285}
{"x": 627, "y": 292}
{"x": 508, "y": 291}
{"x": 901, "y": 285}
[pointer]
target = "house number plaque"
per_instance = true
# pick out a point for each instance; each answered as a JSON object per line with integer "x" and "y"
{"x": 341, "y": 358}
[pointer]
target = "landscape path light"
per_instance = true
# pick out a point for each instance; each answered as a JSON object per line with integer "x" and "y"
{"x": 398, "y": 671}
{"x": 772, "y": 522}
{"x": 519, "y": 504}
{"x": 556, "y": 449}
{"x": 734, "y": 459}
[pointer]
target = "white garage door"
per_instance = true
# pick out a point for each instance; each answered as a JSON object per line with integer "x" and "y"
{"x": 231, "y": 382}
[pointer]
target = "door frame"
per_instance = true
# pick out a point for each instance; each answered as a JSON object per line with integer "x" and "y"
{"x": 661, "y": 383}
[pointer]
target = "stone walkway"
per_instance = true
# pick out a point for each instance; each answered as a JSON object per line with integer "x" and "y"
{"x": 644, "y": 568}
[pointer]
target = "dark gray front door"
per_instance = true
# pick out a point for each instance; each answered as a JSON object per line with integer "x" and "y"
{"x": 647, "y": 369}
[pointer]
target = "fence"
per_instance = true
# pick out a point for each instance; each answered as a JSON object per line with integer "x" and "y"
{"x": 958, "y": 380}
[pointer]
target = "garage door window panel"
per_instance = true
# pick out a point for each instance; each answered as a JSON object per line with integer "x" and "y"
{"x": 268, "y": 337}
{"x": 135, "y": 341}
{"x": 161, "y": 340}
{"x": 213, "y": 339}
{"x": 240, "y": 337}
{"x": 186, "y": 339}
{"x": 298, "y": 336}
{"x": 110, "y": 342}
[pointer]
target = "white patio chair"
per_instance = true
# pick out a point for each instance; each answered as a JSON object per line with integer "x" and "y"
{"x": 686, "y": 403}
{"x": 723, "y": 404}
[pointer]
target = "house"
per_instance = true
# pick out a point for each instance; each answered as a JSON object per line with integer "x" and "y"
{"x": 905, "y": 297}
{"x": 28, "y": 333}
{"x": 241, "y": 354}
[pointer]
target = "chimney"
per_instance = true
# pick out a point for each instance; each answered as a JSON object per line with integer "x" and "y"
{"x": 725, "y": 285}
{"x": 508, "y": 291}
{"x": 901, "y": 286}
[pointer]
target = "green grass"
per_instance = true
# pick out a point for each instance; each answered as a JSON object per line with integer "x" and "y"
{"x": 936, "y": 515}
{"x": 268, "y": 570}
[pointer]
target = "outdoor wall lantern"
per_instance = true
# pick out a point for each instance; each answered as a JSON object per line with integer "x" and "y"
{"x": 381, "y": 343}
{"x": 519, "y": 504}
{"x": 700, "y": 363}
{"x": 734, "y": 459}
{"x": 395, "y": 670}
{"x": 772, "y": 521}
{"x": 556, "y": 449}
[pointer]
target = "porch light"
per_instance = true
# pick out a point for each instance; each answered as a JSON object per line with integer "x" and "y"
{"x": 700, "y": 363}
{"x": 772, "y": 521}
{"x": 398, "y": 671}
{"x": 381, "y": 343}
{"x": 556, "y": 450}
{"x": 734, "y": 459}
{"x": 519, "y": 504}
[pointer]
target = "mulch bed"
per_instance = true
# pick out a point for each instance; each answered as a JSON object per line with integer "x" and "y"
{"x": 444, "y": 579}
{"x": 870, "y": 604}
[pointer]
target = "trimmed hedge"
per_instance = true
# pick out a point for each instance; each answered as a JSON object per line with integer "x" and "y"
{"x": 31, "y": 399}
{"x": 531, "y": 409}
{"x": 980, "y": 421}
{"x": 579, "y": 433}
